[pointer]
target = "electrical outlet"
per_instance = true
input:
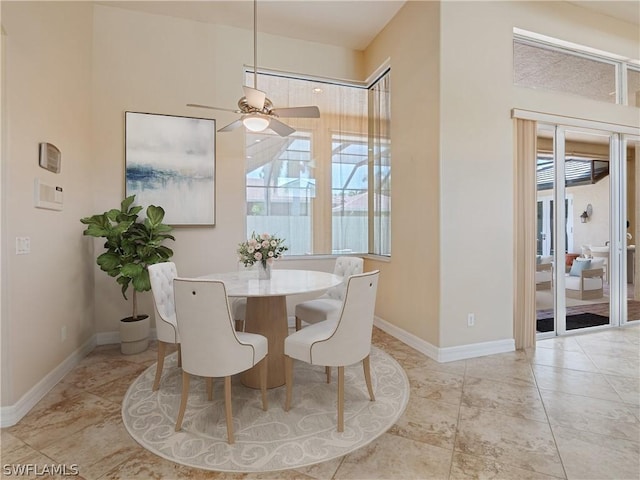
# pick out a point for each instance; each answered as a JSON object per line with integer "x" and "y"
{"x": 63, "y": 333}
{"x": 471, "y": 320}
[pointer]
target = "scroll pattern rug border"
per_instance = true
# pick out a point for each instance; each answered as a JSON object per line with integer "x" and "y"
{"x": 265, "y": 441}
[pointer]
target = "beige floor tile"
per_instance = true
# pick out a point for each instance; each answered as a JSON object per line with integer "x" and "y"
{"x": 97, "y": 448}
{"x": 570, "y": 344}
{"x": 577, "y": 382}
{"x": 435, "y": 385}
{"x": 510, "y": 367}
{"x": 392, "y": 457}
{"x": 615, "y": 365}
{"x": 607, "y": 347}
{"x": 589, "y": 456}
{"x": 97, "y": 372}
{"x": 627, "y": 387}
{"x": 318, "y": 471}
{"x": 428, "y": 421}
{"x": 517, "y": 400}
{"x": 485, "y": 468}
{"x": 44, "y": 427}
{"x": 14, "y": 449}
{"x": 563, "y": 359}
{"x": 594, "y": 415}
{"x": 37, "y": 466}
{"x": 519, "y": 442}
{"x": 145, "y": 465}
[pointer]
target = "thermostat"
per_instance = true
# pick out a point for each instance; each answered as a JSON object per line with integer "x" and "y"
{"x": 50, "y": 157}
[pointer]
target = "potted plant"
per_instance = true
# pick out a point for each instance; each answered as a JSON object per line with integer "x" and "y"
{"x": 131, "y": 246}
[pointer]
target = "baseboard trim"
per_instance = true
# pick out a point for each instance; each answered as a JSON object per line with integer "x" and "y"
{"x": 10, "y": 415}
{"x": 445, "y": 354}
{"x": 109, "y": 338}
{"x": 462, "y": 352}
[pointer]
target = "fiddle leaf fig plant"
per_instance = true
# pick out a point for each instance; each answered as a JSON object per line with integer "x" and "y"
{"x": 131, "y": 245}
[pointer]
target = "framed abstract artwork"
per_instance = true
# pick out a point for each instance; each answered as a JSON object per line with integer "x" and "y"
{"x": 170, "y": 162}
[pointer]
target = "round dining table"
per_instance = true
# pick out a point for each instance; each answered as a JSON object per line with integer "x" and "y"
{"x": 267, "y": 310}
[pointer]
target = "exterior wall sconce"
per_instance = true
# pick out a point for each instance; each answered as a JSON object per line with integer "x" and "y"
{"x": 586, "y": 214}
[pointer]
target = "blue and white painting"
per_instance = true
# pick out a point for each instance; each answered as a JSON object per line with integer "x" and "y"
{"x": 170, "y": 162}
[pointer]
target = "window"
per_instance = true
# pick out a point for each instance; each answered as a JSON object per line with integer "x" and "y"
{"x": 544, "y": 63}
{"x": 313, "y": 187}
{"x": 633, "y": 87}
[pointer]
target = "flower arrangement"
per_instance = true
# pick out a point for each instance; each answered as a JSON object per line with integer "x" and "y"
{"x": 263, "y": 248}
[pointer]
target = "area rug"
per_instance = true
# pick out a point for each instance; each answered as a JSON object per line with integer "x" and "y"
{"x": 271, "y": 440}
{"x": 581, "y": 320}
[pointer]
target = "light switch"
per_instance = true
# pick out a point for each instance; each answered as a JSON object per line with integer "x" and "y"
{"x": 23, "y": 245}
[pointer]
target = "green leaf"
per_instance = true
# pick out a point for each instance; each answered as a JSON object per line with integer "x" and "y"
{"x": 124, "y": 281}
{"x": 141, "y": 282}
{"x": 126, "y": 203}
{"x": 109, "y": 261}
{"x": 155, "y": 215}
{"x": 132, "y": 270}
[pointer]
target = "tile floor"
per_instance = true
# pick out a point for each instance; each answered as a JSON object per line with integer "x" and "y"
{"x": 568, "y": 409}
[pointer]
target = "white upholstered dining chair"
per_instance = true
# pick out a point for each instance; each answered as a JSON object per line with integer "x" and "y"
{"x": 319, "y": 309}
{"x": 338, "y": 342}
{"x": 161, "y": 276}
{"x": 211, "y": 347}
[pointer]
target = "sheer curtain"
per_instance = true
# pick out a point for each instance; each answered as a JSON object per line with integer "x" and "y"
{"x": 524, "y": 326}
{"x": 311, "y": 186}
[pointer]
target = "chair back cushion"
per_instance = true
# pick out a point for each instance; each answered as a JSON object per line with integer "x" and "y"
{"x": 209, "y": 344}
{"x": 161, "y": 276}
{"x": 345, "y": 267}
{"x": 350, "y": 342}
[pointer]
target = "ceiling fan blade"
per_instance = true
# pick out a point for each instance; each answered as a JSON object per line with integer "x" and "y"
{"x": 298, "y": 112}
{"x": 212, "y": 108}
{"x": 231, "y": 126}
{"x": 254, "y": 97}
{"x": 280, "y": 128}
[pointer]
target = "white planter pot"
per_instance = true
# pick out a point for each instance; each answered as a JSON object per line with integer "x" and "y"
{"x": 134, "y": 335}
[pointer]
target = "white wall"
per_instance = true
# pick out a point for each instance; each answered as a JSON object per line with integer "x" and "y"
{"x": 48, "y": 99}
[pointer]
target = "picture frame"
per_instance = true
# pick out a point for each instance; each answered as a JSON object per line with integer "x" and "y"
{"x": 170, "y": 162}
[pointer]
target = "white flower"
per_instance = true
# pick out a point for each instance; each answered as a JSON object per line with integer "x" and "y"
{"x": 274, "y": 243}
{"x": 251, "y": 250}
{"x": 271, "y": 254}
{"x": 257, "y": 256}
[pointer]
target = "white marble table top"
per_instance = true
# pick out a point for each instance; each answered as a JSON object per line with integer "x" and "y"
{"x": 245, "y": 283}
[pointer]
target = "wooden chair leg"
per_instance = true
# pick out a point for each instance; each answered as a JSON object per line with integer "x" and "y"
{"x": 327, "y": 370}
{"x": 263, "y": 382}
{"x": 341, "y": 399}
{"x": 162, "y": 347}
{"x": 227, "y": 407}
{"x": 288, "y": 377}
{"x": 179, "y": 356}
{"x": 239, "y": 325}
{"x": 298, "y": 324}
{"x": 367, "y": 376}
{"x": 183, "y": 399}
{"x": 209, "y": 382}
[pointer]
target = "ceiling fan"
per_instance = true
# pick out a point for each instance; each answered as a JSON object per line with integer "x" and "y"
{"x": 257, "y": 111}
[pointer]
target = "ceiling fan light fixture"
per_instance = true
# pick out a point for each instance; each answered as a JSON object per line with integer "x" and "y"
{"x": 255, "y": 122}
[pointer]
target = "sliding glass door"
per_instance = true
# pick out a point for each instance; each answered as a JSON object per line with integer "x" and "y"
{"x": 579, "y": 189}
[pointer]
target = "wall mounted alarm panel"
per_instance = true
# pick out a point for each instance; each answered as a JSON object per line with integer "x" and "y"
{"x": 47, "y": 196}
{"x": 50, "y": 157}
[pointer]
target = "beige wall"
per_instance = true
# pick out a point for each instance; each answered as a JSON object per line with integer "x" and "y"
{"x": 452, "y": 150}
{"x": 408, "y": 295}
{"x": 476, "y": 159}
{"x": 48, "y": 99}
{"x": 157, "y": 64}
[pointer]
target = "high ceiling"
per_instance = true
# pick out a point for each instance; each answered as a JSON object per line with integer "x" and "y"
{"x": 353, "y": 24}
{"x": 348, "y": 23}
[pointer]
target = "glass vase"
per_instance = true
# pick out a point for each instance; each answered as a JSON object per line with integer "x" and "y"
{"x": 264, "y": 271}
